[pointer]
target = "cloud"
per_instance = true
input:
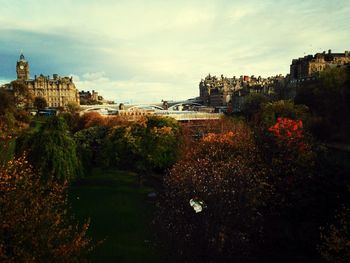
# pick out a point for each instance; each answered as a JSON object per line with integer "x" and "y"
{"x": 153, "y": 50}
{"x": 132, "y": 91}
{"x": 4, "y": 81}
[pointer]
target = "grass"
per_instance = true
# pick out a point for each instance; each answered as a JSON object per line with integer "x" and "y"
{"x": 120, "y": 215}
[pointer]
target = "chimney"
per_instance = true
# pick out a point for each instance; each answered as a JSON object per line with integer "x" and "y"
{"x": 329, "y": 51}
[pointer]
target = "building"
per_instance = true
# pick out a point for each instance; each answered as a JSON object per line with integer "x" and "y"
{"x": 309, "y": 66}
{"x": 226, "y": 92}
{"x": 90, "y": 98}
{"x": 58, "y": 91}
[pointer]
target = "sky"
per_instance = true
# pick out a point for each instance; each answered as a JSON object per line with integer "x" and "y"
{"x": 145, "y": 51}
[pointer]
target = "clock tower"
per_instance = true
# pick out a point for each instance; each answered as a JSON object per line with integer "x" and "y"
{"x": 22, "y": 68}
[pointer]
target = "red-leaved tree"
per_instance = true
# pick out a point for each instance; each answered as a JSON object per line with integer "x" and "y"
{"x": 35, "y": 224}
{"x": 213, "y": 204}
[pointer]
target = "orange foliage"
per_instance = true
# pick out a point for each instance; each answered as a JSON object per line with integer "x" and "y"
{"x": 35, "y": 226}
{"x": 91, "y": 119}
{"x": 162, "y": 130}
{"x": 219, "y": 138}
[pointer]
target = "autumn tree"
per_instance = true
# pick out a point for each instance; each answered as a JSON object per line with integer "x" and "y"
{"x": 212, "y": 209}
{"x": 91, "y": 119}
{"x": 35, "y": 225}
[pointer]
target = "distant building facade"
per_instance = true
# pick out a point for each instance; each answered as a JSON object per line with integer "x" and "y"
{"x": 230, "y": 92}
{"x": 308, "y": 69}
{"x": 311, "y": 65}
{"x": 57, "y": 91}
{"x": 88, "y": 98}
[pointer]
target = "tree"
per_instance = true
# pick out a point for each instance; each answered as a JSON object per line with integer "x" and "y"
{"x": 51, "y": 150}
{"x": 282, "y": 109}
{"x": 161, "y": 143}
{"x": 7, "y": 102}
{"x": 328, "y": 99}
{"x": 73, "y": 107}
{"x": 91, "y": 119}
{"x": 253, "y": 104}
{"x": 35, "y": 225}
{"x": 150, "y": 144}
{"x": 89, "y": 143}
{"x": 212, "y": 208}
{"x": 40, "y": 103}
{"x": 22, "y": 95}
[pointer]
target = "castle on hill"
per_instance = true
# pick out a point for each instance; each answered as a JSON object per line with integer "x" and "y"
{"x": 231, "y": 92}
{"x": 312, "y": 65}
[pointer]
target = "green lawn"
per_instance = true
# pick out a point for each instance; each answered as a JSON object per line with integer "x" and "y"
{"x": 120, "y": 214}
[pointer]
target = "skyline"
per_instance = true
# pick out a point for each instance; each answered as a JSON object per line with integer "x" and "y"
{"x": 137, "y": 51}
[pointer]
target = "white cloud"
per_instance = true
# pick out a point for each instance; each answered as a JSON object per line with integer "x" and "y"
{"x": 4, "y": 81}
{"x": 95, "y": 76}
{"x": 133, "y": 91}
{"x": 150, "y": 50}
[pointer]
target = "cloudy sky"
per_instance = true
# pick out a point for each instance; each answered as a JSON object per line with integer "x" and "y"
{"x": 142, "y": 51}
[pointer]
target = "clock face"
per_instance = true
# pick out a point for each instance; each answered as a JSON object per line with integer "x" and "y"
{"x": 21, "y": 67}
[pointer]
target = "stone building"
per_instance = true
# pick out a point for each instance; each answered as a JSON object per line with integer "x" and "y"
{"x": 310, "y": 65}
{"x": 90, "y": 98}
{"x": 221, "y": 92}
{"x": 58, "y": 91}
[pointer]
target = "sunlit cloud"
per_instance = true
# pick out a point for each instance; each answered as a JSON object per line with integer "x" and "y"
{"x": 152, "y": 50}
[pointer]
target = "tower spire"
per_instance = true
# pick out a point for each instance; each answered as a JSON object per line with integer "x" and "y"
{"x": 21, "y": 57}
